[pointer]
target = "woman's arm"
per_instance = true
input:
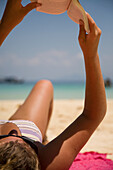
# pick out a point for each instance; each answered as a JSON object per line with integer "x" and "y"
{"x": 13, "y": 15}
{"x": 95, "y": 98}
{"x": 60, "y": 153}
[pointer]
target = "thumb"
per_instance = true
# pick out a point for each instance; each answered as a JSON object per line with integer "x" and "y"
{"x": 31, "y": 6}
{"x": 82, "y": 32}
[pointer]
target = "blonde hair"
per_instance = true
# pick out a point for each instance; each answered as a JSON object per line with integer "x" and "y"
{"x": 16, "y": 156}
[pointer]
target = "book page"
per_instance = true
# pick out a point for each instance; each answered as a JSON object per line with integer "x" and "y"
{"x": 76, "y": 12}
{"x": 52, "y": 6}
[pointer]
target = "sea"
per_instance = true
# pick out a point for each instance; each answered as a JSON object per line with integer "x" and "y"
{"x": 62, "y": 90}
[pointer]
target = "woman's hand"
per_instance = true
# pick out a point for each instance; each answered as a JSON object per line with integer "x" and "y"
{"x": 15, "y": 12}
{"x": 13, "y": 15}
{"x": 89, "y": 42}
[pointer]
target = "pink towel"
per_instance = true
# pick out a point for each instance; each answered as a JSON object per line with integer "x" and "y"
{"x": 92, "y": 161}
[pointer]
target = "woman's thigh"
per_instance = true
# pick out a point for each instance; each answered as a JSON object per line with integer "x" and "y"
{"x": 38, "y": 105}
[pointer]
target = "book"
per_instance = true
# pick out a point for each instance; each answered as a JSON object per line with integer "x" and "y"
{"x": 73, "y": 7}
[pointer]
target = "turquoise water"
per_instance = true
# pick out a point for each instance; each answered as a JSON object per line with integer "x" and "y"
{"x": 68, "y": 90}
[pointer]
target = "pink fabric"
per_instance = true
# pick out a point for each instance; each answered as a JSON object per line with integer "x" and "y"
{"x": 92, "y": 161}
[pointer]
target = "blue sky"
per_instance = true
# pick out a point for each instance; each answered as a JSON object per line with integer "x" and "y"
{"x": 46, "y": 46}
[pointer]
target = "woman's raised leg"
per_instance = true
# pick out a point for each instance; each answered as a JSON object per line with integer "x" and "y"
{"x": 38, "y": 106}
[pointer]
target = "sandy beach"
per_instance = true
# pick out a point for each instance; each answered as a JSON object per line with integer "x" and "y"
{"x": 64, "y": 112}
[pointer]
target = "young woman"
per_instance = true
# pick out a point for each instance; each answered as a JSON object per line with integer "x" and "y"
{"x": 21, "y": 137}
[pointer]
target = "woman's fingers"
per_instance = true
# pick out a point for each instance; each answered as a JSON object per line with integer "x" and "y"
{"x": 82, "y": 32}
{"x": 31, "y": 6}
{"x": 91, "y": 23}
{"x": 94, "y": 29}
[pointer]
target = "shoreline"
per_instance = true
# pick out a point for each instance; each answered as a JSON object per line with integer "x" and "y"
{"x": 66, "y": 111}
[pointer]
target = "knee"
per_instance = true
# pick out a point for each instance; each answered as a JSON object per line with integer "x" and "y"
{"x": 45, "y": 84}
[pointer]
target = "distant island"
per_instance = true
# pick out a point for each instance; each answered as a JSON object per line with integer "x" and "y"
{"x": 108, "y": 82}
{"x": 11, "y": 80}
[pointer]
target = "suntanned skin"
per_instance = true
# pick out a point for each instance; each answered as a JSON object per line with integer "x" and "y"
{"x": 60, "y": 153}
{"x": 37, "y": 108}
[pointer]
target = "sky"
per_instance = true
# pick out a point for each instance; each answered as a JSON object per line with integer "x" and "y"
{"x": 45, "y": 46}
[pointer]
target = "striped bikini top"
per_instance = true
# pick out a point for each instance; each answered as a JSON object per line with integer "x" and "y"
{"x": 27, "y": 128}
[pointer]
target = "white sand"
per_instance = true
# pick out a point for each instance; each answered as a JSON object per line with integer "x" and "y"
{"x": 64, "y": 112}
